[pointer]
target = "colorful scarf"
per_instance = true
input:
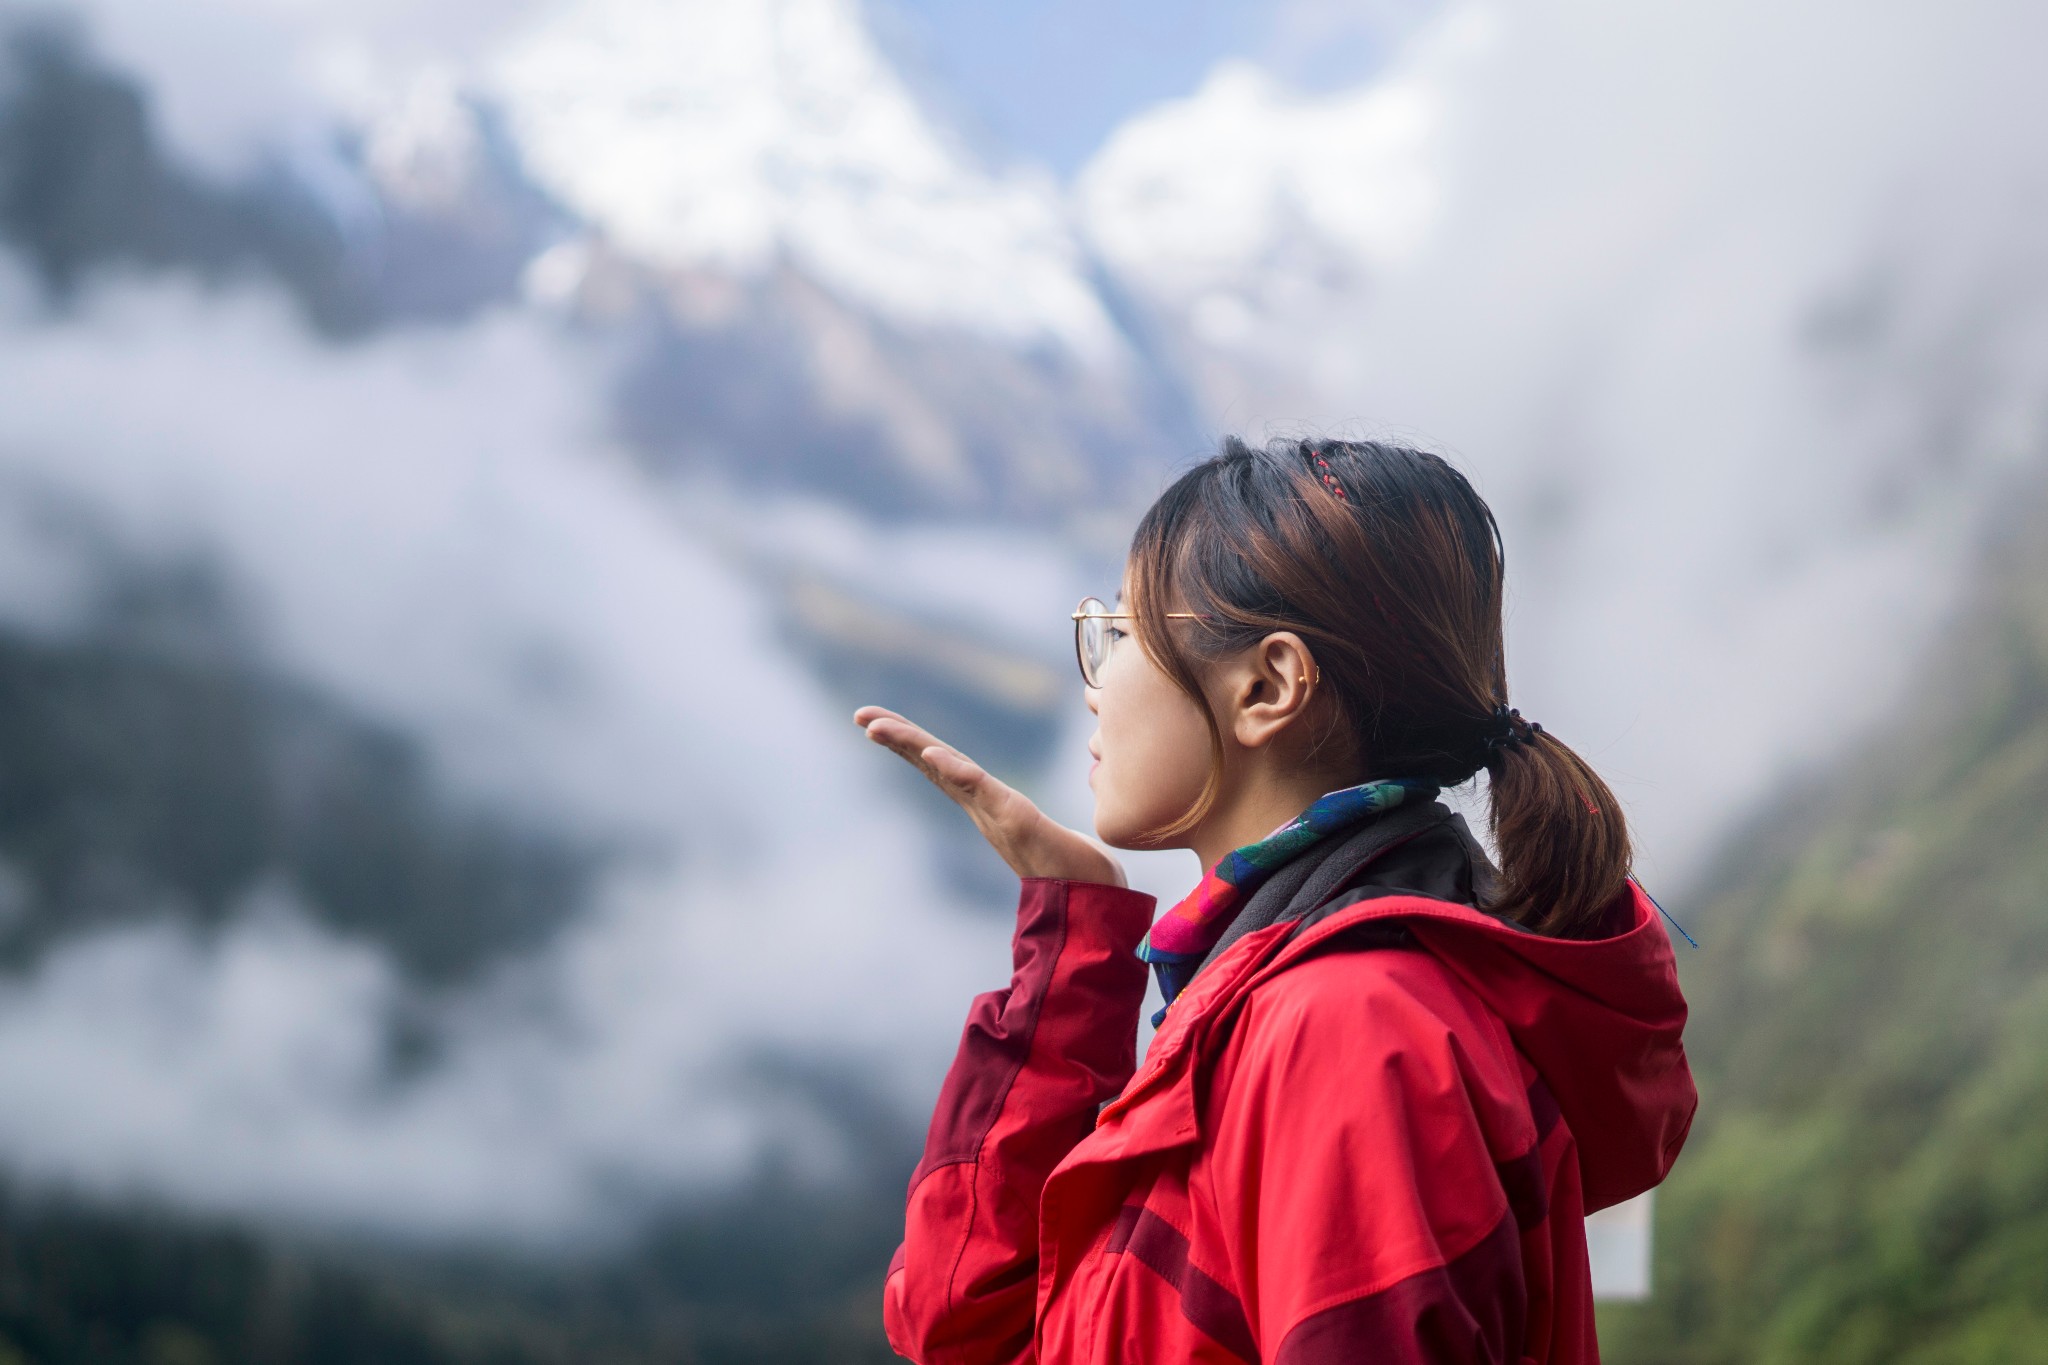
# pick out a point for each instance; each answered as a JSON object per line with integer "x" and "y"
{"x": 1183, "y": 936}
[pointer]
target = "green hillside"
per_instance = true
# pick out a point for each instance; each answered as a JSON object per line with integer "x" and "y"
{"x": 1869, "y": 1177}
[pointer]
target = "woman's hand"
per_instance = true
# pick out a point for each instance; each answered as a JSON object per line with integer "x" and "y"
{"x": 1030, "y": 841}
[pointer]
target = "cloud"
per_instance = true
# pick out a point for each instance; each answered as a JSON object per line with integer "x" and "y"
{"x": 231, "y": 81}
{"x": 1737, "y": 313}
{"x": 723, "y": 135}
{"x": 412, "y": 522}
{"x": 728, "y": 134}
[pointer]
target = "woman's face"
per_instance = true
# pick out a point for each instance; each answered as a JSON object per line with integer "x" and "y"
{"x": 1151, "y": 744}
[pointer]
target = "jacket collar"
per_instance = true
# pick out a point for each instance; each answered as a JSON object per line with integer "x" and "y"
{"x": 1599, "y": 1019}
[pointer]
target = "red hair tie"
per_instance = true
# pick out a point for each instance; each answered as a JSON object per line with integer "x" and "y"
{"x": 1328, "y": 476}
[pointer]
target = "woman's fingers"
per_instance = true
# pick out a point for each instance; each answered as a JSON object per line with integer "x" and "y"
{"x": 1002, "y": 813}
{"x": 918, "y": 747}
{"x": 990, "y": 800}
{"x": 906, "y": 741}
{"x": 892, "y": 731}
{"x": 1030, "y": 842}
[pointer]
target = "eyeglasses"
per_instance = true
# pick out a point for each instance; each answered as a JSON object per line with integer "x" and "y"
{"x": 1095, "y": 638}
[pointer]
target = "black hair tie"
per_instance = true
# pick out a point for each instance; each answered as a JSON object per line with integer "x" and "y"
{"x": 1509, "y": 731}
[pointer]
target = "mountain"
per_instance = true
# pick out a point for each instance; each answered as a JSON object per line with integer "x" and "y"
{"x": 730, "y": 137}
{"x": 87, "y": 186}
{"x": 807, "y": 286}
{"x": 742, "y": 373}
{"x": 839, "y": 297}
{"x": 1868, "y": 1180}
{"x": 835, "y": 305}
{"x": 428, "y": 617}
{"x": 471, "y": 852}
{"x": 147, "y": 774}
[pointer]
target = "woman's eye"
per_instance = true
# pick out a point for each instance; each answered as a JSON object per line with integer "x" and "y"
{"x": 1116, "y": 634}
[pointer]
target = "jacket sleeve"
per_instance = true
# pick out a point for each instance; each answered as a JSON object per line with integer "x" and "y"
{"x": 1036, "y": 1060}
{"x": 1364, "y": 1213}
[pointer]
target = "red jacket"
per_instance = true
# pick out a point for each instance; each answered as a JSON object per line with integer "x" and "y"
{"x": 1328, "y": 1155}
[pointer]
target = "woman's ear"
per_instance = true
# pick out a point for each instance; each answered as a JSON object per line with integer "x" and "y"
{"x": 1271, "y": 686}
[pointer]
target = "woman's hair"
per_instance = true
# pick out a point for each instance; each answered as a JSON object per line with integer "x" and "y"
{"x": 1388, "y": 565}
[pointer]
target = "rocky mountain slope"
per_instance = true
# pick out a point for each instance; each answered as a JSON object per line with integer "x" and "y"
{"x": 807, "y": 287}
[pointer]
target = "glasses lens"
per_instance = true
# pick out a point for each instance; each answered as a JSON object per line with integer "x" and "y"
{"x": 1091, "y": 639}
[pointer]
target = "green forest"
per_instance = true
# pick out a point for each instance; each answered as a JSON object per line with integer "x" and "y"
{"x": 764, "y": 1280}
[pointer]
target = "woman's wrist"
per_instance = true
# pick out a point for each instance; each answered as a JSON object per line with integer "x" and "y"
{"x": 1061, "y": 854}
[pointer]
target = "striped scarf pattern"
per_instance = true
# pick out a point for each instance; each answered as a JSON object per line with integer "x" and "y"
{"x": 1183, "y": 936}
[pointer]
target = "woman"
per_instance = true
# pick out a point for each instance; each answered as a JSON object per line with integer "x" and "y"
{"x": 1389, "y": 1080}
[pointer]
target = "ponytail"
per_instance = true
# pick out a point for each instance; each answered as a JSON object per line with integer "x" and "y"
{"x": 1563, "y": 844}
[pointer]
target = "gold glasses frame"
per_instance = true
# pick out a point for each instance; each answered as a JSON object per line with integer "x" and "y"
{"x": 1095, "y": 609}
{"x": 1091, "y": 674}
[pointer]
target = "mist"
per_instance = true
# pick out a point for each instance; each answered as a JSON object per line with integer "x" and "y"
{"x": 429, "y": 528}
{"x": 1734, "y": 314}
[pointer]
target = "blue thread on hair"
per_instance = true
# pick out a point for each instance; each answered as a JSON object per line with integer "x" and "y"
{"x": 1666, "y": 914}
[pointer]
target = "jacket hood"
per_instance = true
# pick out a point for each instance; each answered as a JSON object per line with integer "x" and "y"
{"x": 1599, "y": 1019}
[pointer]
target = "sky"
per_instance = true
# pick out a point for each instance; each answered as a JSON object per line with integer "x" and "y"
{"x": 1049, "y": 80}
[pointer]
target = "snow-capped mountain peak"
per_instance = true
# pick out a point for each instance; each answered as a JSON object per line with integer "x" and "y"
{"x": 731, "y": 135}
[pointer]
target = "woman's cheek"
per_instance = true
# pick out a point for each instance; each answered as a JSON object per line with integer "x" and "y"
{"x": 1119, "y": 802}
{"x": 1154, "y": 762}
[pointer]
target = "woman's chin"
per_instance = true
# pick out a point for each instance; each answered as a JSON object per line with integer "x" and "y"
{"x": 1127, "y": 836}
{"x": 1114, "y": 834}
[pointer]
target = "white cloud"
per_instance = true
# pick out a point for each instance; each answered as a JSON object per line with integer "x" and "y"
{"x": 231, "y": 79}
{"x": 415, "y": 520}
{"x": 1234, "y": 191}
{"x": 728, "y": 135}
{"x": 1736, "y": 312}
{"x": 733, "y": 133}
